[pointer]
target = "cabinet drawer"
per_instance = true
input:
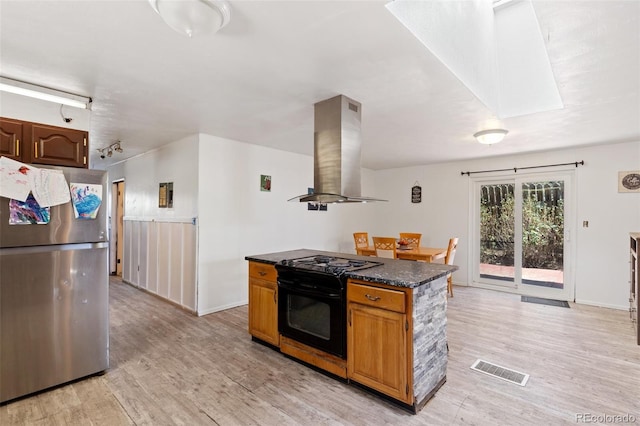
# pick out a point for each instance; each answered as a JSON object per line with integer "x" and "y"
{"x": 263, "y": 271}
{"x": 379, "y": 297}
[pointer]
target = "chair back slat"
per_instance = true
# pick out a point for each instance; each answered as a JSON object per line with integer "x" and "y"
{"x": 385, "y": 247}
{"x": 412, "y": 238}
{"x": 448, "y": 260}
{"x": 361, "y": 239}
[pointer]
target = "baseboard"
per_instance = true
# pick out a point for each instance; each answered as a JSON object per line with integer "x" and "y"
{"x": 602, "y": 305}
{"x": 222, "y": 308}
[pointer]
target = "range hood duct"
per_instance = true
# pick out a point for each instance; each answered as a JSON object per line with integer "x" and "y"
{"x": 336, "y": 153}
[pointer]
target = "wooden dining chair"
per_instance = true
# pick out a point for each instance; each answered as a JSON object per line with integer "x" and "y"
{"x": 412, "y": 238}
{"x": 448, "y": 260}
{"x": 361, "y": 240}
{"x": 385, "y": 247}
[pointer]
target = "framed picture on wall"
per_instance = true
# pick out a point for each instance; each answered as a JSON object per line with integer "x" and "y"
{"x": 165, "y": 195}
{"x": 629, "y": 181}
{"x": 265, "y": 183}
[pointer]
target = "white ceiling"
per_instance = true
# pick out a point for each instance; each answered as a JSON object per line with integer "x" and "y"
{"x": 257, "y": 79}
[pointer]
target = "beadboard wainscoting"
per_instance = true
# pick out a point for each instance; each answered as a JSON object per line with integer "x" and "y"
{"x": 160, "y": 257}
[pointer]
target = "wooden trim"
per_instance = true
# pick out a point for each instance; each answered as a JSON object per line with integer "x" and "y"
{"x": 315, "y": 357}
{"x": 418, "y": 405}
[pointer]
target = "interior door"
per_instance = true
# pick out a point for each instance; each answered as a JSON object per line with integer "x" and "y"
{"x": 119, "y": 227}
{"x": 522, "y": 235}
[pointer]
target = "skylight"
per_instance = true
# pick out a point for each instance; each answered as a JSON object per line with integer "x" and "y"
{"x": 498, "y": 52}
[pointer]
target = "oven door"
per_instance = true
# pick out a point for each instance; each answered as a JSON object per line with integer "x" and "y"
{"x": 311, "y": 312}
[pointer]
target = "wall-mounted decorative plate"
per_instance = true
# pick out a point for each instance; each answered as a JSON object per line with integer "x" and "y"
{"x": 629, "y": 181}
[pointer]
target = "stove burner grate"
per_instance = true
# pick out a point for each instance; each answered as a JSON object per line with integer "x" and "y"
{"x": 329, "y": 264}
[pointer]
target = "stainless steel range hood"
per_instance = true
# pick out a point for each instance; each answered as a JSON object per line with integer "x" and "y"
{"x": 336, "y": 154}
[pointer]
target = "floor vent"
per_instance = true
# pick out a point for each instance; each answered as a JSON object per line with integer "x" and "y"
{"x": 550, "y": 302}
{"x": 503, "y": 373}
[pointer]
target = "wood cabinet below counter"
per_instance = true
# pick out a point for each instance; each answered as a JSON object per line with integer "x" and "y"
{"x": 397, "y": 339}
{"x": 263, "y": 302}
{"x": 36, "y": 143}
{"x": 379, "y": 339}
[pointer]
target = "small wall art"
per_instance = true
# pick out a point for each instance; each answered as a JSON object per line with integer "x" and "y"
{"x": 265, "y": 183}
{"x": 416, "y": 193}
{"x": 312, "y": 205}
{"x": 165, "y": 195}
{"x": 629, "y": 181}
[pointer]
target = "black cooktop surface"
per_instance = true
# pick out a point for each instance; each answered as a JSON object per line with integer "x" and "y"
{"x": 328, "y": 264}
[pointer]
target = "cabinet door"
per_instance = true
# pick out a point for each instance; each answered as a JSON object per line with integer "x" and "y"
{"x": 377, "y": 350}
{"x": 263, "y": 310}
{"x": 59, "y": 146}
{"x": 11, "y": 139}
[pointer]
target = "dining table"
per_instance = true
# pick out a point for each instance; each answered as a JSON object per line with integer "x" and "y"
{"x": 426, "y": 254}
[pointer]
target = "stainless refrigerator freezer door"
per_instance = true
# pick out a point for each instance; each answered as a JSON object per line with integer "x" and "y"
{"x": 63, "y": 228}
{"x": 54, "y": 316}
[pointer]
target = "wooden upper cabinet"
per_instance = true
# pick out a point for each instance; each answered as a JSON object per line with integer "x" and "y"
{"x": 59, "y": 146}
{"x": 43, "y": 144}
{"x": 11, "y": 138}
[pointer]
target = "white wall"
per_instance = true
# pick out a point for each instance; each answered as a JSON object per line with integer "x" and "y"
{"x": 175, "y": 162}
{"x": 160, "y": 247}
{"x": 38, "y": 111}
{"x": 218, "y": 181}
{"x": 237, "y": 219}
{"x": 601, "y": 257}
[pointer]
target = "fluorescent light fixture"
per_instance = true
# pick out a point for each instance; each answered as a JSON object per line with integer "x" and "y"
{"x": 193, "y": 17}
{"x": 44, "y": 93}
{"x": 490, "y": 136}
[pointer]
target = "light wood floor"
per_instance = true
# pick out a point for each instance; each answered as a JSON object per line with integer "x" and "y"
{"x": 169, "y": 367}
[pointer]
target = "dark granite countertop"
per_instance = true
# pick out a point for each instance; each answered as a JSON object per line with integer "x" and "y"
{"x": 400, "y": 273}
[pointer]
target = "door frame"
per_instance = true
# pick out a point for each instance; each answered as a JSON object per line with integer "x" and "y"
{"x": 115, "y": 228}
{"x": 569, "y": 177}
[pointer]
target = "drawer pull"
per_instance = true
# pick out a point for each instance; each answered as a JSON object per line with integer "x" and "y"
{"x": 17, "y": 147}
{"x": 372, "y": 298}
{"x": 262, "y": 273}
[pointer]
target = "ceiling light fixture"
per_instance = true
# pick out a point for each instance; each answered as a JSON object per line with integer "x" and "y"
{"x": 108, "y": 151}
{"x": 44, "y": 93}
{"x": 490, "y": 136}
{"x": 193, "y": 17}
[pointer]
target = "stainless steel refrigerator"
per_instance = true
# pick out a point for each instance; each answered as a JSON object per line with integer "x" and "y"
{"x": 54, "y": 293}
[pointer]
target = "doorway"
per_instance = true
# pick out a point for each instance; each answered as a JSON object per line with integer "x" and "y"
{"x": 118, "y": 235}
{"x": 522, "y": 229}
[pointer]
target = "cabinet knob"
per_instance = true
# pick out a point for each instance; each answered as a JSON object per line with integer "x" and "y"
{"x": 262, "y": 273}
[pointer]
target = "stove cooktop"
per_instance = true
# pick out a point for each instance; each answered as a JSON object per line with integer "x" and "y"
{"x": 329, "y": 264}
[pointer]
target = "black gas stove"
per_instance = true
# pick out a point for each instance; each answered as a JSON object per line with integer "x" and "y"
{"x": 312, "y": 300}
{"x": 327, "y": 264}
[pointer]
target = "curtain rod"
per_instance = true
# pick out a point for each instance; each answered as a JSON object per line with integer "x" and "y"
{"x": 515, "y": 169}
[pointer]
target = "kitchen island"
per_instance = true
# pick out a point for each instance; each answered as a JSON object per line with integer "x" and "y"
{"x": 395, "y": 320}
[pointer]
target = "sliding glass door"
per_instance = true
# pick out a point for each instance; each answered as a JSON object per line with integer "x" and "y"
{"x": 521, "y": 233}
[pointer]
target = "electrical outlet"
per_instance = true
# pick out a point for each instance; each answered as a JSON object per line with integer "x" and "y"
{"x": 585, "y": 223}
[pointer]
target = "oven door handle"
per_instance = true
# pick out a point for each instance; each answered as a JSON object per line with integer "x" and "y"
{"x": 301, "y": 290}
